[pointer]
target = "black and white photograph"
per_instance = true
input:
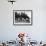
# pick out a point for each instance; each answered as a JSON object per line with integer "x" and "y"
{"x": 22, "y": 17}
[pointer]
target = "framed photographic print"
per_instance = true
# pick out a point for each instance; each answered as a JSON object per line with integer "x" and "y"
{"x": 22, "y": 17}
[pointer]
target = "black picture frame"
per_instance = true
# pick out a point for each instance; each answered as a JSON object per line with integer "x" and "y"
{"x": 21, "y": 21}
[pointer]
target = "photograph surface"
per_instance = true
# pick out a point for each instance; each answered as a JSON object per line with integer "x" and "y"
{"x": 22, "y": 17}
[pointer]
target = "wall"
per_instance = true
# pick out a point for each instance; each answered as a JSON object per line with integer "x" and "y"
{"x": 38, "y": 30}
